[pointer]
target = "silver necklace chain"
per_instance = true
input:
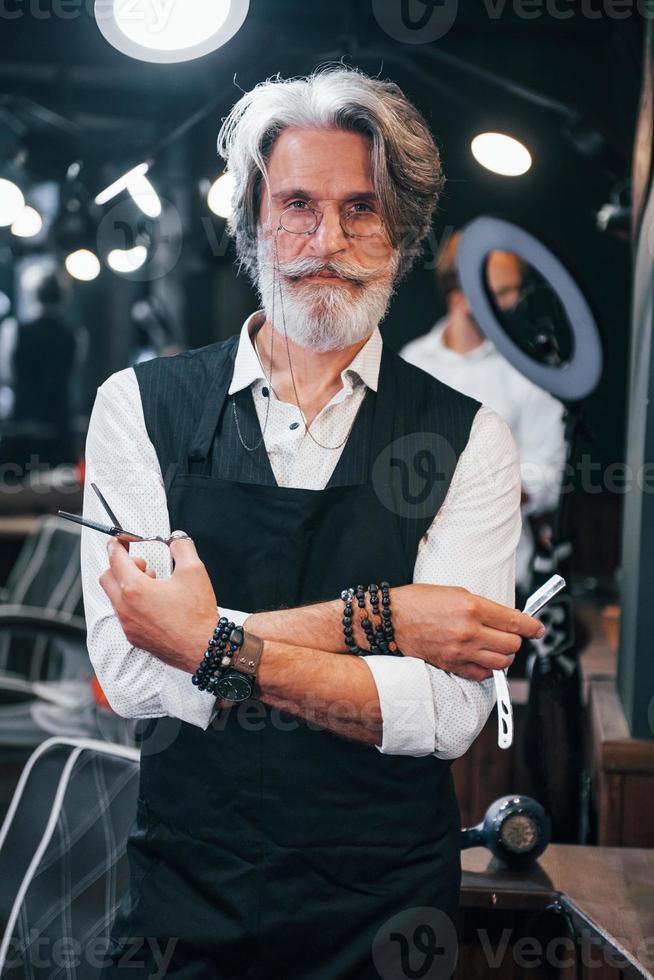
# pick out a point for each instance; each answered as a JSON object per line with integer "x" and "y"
{"x": 307, "y": 426}
{"x": 252, "y": 449}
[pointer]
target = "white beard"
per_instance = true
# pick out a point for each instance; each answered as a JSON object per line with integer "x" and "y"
{"x": 324, "y": 317}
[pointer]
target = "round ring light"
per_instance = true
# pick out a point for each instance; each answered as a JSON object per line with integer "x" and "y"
{"x": 179, "y": 30}
{"x": 570, "y": 381}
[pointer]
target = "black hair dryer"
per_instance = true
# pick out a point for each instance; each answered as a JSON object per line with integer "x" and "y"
{"x": 516, "y": 829}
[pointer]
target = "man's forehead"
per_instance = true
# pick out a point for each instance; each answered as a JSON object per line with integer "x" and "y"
{"x": 313, "y": 160}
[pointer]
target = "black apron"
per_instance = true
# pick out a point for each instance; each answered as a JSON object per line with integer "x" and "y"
{"x": 265, "y": 846}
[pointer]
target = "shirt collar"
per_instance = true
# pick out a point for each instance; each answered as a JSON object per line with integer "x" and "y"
{"x": 364, "y": 367}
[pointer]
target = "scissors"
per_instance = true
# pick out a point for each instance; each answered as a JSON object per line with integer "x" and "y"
{"x": 115, "y": 529}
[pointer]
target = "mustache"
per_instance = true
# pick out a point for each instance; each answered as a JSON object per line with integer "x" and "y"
{"x": 299, "y": 268}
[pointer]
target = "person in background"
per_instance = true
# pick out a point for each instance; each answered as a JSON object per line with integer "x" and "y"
{"x": 456, "y": 351}
{"x": 44, "y": 362}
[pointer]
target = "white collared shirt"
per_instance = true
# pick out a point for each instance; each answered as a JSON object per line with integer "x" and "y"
{"x": 470, "y": 543}
{"x": 533, "y": 415}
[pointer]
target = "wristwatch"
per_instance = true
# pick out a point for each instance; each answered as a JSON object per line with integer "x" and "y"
{"x": 236, "y": 683}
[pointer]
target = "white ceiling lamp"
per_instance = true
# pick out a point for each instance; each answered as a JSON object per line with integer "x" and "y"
{"x": 501, "y": 153}
{"x": 28, "y": 223}
{"x": 122, "y": 184}
{"x": 144, "y": 196}
{"x": 219, "y": 197}
{"x": 12, "y": 202}
{"x": 83, "y": 265}
{"x": 139, "y": 188}
{"x": 178, "y": 30}
{"x": 126, "y": 260}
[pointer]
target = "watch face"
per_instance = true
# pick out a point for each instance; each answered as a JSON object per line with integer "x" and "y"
{"x": 234, "y": 686}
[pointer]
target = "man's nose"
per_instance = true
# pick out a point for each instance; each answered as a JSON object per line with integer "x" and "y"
{"x": 329, "y": 236}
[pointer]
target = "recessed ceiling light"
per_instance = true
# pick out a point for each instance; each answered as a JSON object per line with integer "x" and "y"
{"x": 83, "y": 265}
{"x": 28, "y": 223}
{"x": 126, "y": 260}
{"x": 220, "y": 193}
{"x": 501, "y": 153}
{"x": 12, "y": 202}
{"x": 178, "y": 30}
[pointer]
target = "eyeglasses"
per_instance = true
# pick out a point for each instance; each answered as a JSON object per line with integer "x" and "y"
{"x": 305, "y": 220}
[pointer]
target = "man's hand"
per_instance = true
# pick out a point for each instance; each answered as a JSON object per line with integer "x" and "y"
{"x": 172, "y": 618}
{"x": 458, "y": 631}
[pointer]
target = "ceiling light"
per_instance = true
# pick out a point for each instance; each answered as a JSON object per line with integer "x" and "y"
{"x": 83, "y": 265}
{"x": 126, "y": 260}
{"x": 220, "y": 193}
{"x": 139, "y": 188}
{"x": 501, "y": 153}
{"x": 123, "y": 183}
{"x": 178, "y": 30}
{"x": 144, "y": 195}
{"x": 12, "y": 202}
{"x": 28, "y": 223}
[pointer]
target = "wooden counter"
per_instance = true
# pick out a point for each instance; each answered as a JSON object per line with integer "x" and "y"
{"x": 608, "y": 892}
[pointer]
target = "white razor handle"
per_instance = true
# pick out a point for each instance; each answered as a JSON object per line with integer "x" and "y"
{"x": 504, "y": 710}
{"x": 535, "y": 602}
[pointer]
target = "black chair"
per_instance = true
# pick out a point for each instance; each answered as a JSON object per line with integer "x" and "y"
{"x": 63, "y": 864}
{"x": 42, "y": 631}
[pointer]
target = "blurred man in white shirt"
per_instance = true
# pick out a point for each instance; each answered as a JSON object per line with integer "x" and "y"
{"x": 456, "y": 351}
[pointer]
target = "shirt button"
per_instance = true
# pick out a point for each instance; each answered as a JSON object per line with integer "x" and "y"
{"x": 265, "y": 392}
{"x": 294, "y": 425}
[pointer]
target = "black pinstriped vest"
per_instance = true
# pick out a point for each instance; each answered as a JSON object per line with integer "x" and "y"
{"x": 268, "y": 846}
{"x": 411, "y": 473}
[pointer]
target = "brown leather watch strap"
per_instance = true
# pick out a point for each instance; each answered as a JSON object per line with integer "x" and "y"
{"x": 247, "y": 657}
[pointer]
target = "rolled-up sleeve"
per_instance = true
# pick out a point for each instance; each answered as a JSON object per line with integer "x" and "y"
{"x": 472, "y": 544}
{"x": 121, "y": 460}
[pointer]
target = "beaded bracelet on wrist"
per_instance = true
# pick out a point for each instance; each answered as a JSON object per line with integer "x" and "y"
{"x": 380, "y": 636}
{"x": 347, "y": 596}
{"x": 225, "y": 641}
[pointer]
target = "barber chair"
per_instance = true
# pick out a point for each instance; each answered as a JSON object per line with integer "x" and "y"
{"x": 46, "y": 676}
{"x": 63, "y": 864}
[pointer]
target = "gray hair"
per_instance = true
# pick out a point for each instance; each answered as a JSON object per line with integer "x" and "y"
{"x": 405, "y": 162}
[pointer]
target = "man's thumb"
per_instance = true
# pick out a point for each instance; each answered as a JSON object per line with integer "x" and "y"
{"x": 182, "y": 549}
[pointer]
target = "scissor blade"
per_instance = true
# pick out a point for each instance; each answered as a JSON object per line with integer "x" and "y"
{"x": 106, "y": 506}
{"x": 92, "y": 524}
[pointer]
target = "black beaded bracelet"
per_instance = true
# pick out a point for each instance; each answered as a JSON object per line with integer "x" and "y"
{"x": 381, "y": 635}
{"x": 347, "y": 595}
{"x": 224, "y": 642}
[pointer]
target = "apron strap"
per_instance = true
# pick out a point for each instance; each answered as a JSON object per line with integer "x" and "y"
{"x": 200, "y": 445}
{"x": 385, "y": 416}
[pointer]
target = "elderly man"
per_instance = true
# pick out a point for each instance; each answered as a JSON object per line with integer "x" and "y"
{"x": 282, "y": 836}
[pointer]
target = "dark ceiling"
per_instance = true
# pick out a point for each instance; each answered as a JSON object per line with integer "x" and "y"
{"x": 53, "y": 53}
